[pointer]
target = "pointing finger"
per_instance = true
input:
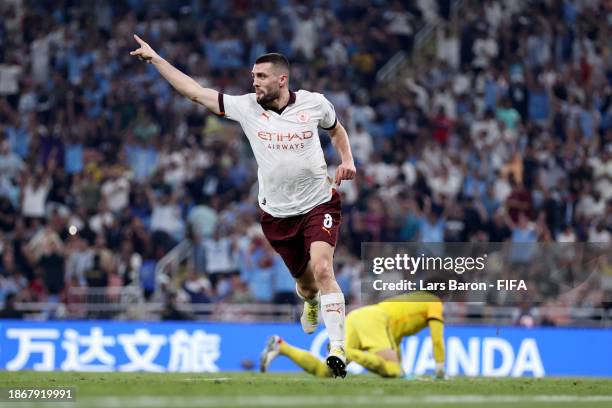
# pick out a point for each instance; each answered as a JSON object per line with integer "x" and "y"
{"x": 139, "y": 40}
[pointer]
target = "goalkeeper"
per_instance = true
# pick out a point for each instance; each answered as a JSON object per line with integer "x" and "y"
{"x": 373, "y": 336}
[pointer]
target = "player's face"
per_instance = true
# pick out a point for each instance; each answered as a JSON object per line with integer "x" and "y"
{"x": 267, "y": 82}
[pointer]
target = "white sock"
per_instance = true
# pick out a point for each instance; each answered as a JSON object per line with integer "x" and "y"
{"x": 314, "y": 301}
{"x": 332, "y": 309}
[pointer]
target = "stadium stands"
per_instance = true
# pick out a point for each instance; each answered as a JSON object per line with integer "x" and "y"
{"x": 505, "y": 136}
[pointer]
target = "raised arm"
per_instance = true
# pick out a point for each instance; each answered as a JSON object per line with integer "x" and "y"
{"x": 181, "y": 82}
{"x": 346, "y": 170}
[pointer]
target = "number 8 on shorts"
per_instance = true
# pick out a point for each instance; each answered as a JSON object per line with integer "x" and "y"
{"x": 327, "y": 221}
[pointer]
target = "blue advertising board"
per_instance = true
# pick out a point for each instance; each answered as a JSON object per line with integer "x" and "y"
{"x": 212, "y": 347}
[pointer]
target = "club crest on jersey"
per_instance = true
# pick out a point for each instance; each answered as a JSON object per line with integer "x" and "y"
{"x": 303, "y": 117}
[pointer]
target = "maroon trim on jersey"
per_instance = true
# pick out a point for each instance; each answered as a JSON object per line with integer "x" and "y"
{"x": 221, "y": 105}
{"x": 332, "y": 126}
{"x": 292, "y": 98}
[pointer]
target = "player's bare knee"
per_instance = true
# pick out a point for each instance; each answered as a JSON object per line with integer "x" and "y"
{"x": 323, "y": 272}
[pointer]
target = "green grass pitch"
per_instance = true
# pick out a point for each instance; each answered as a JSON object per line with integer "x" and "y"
{"x": 109, "y": 390}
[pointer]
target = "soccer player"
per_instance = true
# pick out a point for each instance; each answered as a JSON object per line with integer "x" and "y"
{"x": 302, "y": 210}
{"x": 373, "y": 336}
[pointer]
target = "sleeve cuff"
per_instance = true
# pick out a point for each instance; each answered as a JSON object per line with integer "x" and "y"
{"x": 221, "y": 105}
{"x": 332, "y": 126}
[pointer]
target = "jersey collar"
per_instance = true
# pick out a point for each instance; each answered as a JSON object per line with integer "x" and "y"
{"x": 291, "y": 101}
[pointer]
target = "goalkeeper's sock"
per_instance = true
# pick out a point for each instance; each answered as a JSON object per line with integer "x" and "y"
{"x": 332, "y": 310}
{"x": 375, "y": 363}
{"x": 305, "y": 360}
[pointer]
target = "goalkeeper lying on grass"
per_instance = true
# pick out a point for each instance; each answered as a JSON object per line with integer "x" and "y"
{"x": 373, "y": 336}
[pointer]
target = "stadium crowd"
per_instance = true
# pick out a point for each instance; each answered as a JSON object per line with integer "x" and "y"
{"x": 505, "y": 136}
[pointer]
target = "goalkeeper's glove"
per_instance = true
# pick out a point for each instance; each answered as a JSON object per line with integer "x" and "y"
{"x": 440, "y": 374}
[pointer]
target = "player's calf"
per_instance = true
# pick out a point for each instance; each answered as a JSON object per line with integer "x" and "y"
{"x": 310, "y": 314}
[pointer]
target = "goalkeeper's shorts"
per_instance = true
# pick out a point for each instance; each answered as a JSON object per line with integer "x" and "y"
{"x": 367, "y": 329}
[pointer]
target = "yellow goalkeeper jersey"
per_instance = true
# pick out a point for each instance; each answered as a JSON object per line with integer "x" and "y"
{"x": 409, "y": 314}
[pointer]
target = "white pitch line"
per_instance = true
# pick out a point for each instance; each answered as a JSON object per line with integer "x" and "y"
{"x": 302, "y": 400}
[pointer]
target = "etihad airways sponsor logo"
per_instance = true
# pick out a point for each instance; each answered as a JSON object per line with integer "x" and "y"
{"x": 285, "y": 146}
{"x": 285, "y": 137}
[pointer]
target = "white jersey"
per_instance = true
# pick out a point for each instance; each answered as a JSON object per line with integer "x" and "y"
{"x": 292, "y": 171}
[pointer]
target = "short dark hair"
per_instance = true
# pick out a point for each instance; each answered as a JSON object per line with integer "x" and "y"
{"x": 276, "y": 59}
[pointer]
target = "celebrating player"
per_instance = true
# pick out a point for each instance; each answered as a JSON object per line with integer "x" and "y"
{"x": 302, "y": 210}
{"x": 373, "y": 336}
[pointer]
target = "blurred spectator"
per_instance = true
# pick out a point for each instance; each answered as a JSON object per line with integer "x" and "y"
{"x": 97, "y": 274}
{"x": 10, "y": 163}
{"x": 598, "y": 233}
{"x": 203, "y": 218}
{"x": 34, "y": 197}
{"x": 361, "y": 144}
{"x": 166, "y": 213}
{"x": 240, "y": 292}
{"x": 116, "y": 190}
{"x": 261, "y": 266}
{"x": 9, "y": 311}
{"x": 198, "y": 288}
{"x": 220, "y": 255}
{"x": 171, "y": 312}
{"x": 526, "y": 316}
